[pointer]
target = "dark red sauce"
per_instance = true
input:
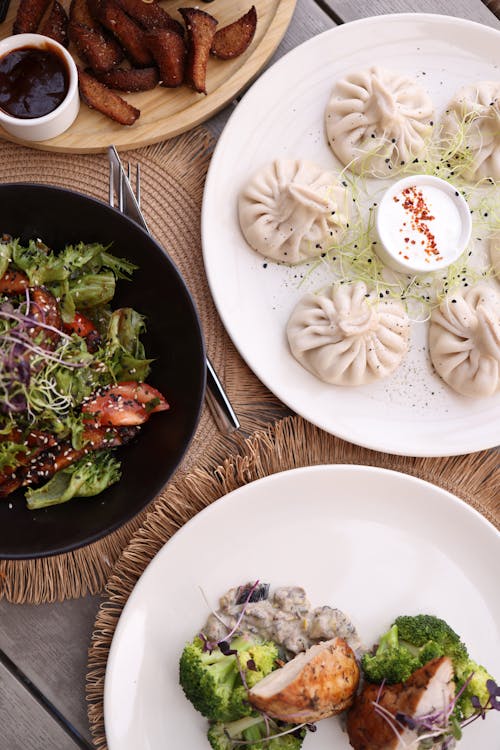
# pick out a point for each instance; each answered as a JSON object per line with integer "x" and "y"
{"x": 33, "y": 81}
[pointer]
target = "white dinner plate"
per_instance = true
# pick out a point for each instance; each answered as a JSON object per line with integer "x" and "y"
{"x": 413, "y": 412}
{"x": 372, "y": 542}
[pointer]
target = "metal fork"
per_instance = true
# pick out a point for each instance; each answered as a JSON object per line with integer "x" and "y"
{"x": 129, "y": 203}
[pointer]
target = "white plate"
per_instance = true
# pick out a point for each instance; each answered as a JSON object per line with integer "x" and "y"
{"x": 412, "y": 413}
{"x": 372, "y": 542}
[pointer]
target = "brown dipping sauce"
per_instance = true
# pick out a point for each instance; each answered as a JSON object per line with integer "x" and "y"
{"x": 33, "y": 81}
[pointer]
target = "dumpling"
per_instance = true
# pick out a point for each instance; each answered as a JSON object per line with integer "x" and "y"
{"x": 464, "y": 340}
{"x": 378, "y": 120}
{"x": 293, "y": 210}
{"x": 347, "y": 336}
{"x": 471, "y": 124}
{"x": 495, "y": 254}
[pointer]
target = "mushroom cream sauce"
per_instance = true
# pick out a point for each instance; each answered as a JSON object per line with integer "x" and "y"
{"x": 284, "y": 617}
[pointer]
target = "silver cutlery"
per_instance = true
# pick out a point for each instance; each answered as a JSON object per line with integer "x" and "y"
{"x": 128, "y": 202}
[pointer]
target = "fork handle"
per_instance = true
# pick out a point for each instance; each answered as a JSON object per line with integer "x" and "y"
{"x": 219, "y": 404}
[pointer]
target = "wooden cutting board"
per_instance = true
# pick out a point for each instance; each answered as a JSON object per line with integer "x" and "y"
{"x": 168, "y": 112}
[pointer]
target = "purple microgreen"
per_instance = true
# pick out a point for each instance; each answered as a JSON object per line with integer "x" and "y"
{"x": 494, "y": 692}
{"x": 226, "y": 649}
{"x": 311, "y": 727}
{"x": 30, "y": 322}
{"x": 252, "y": 666}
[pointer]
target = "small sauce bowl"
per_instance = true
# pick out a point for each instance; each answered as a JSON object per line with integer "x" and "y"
{"x": 58, "y": 120}
{"x": 423, "y": 225}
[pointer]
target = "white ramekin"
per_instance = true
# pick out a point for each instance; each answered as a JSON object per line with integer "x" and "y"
{"x": 60, "y": 119}
{"x": 391, "y": 255}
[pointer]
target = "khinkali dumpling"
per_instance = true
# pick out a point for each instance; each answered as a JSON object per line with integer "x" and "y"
{"x": 464, "y": 340}
{"x": 347, "y": 336}
{"x": 495, "y": 254}
{"x": 293, "y": 210}
{"x": 473, "y": 116}
{"x": 377, "y": 120}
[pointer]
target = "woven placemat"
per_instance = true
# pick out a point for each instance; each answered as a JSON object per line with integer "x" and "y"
{"x": 172, "y": 178}
{"x": 288, "y": 444}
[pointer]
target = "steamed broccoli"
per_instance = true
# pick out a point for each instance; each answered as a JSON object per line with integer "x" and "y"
{"x": 476, "y": 687}
{"x": 420, "y": 629}
{"x": 254, "y": 731}
{"x": 391, "y": 662}
{"x": 411, "y": 642}
{"x": 211, "y": 680}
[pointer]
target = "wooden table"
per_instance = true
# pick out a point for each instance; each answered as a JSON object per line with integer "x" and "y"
{"x": 43, "y": 650}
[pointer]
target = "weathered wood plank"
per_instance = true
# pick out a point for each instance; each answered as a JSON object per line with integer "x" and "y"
{"x": 49, "y": 645}
{"x": 474, "y": 10}
{"x": 25, "y": 724}
{"x": 308, "y": 20}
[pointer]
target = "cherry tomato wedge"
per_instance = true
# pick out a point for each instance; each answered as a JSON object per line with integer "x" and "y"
{"x": 127, "y": 403}
{"x": 80, "y": 325}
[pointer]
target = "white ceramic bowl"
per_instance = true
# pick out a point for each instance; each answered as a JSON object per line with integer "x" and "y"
{"x": 60, "y": 119}
{"x": 423, "y": 224}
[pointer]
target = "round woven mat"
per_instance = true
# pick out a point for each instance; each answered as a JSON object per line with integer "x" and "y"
{"x": 288, "y": 444}
{"x": 172, "y": 178}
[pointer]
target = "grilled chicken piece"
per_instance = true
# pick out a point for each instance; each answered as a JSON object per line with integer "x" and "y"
{"x": 429, "y": 689}
{"x": 44, "y": 309}
{"x": 36, "y": 441}
{"x": 44, "y": 466}
{"x": 315, "y": 684}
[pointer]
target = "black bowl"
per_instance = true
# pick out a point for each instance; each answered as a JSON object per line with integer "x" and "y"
{"x": 174, "y": 338}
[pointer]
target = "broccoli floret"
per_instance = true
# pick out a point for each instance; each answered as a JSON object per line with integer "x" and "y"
{"x": 209, "y": 678}
{"x": 418, "y": 630}
{"x": 391, "y": 662}
{"x": 476, "y": 687}
{"x": 255, "y": 731}
{"x": 258, "y": 661}
{"x": 239, "y": 705}
{"x": 430, "y": 650}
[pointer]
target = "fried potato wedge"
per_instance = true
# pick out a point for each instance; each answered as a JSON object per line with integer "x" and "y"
{"x": 201, "y": 28}
{"x": 128, "y": 33}
{"x": 94, "y": 49}
{"x": 151, "y": 15}
{"x": 55, "y": 25}
{"x": 29, "y": 15}
{"x": 79, "y": 12}
{"x": 232, "y": 40}
{"x": 129, "y": 79}
{"x": 97, "y": 96}
{"x": 169, "y": 52}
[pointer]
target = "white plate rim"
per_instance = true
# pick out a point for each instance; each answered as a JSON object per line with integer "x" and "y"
{"x": 439, "y": 448}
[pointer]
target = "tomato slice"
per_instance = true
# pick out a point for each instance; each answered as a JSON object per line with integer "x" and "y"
{"x": 80, "y": 325}
{"x": 143, "y": 393}
{"x": 124, "y": 404}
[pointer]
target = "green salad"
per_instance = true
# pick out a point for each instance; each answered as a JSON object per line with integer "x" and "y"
{"x": 72, "y": 371}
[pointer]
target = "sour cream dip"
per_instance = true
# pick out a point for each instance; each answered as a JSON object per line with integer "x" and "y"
{"x": 423, "y": 225}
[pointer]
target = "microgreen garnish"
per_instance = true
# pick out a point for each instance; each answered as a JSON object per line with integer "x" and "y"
{"x": 439, "y": 728}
